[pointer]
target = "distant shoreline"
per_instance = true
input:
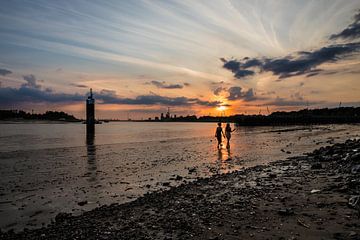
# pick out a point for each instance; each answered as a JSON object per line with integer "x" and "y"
{"x": 30, "y": 121}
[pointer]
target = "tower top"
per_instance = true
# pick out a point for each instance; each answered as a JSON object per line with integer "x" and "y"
{"x": 91, "y": 92}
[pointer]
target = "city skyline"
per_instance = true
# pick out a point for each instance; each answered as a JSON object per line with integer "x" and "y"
{"x": 141, "y": 57}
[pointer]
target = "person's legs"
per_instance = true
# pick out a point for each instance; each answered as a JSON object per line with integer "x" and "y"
{"x": 219, "y": 142}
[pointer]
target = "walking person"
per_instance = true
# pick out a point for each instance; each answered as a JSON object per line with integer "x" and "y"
{"x": 219, "y": 134}
{"x": 228, "y": 132}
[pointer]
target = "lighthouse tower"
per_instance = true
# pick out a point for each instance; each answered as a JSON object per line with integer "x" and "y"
{"x": 90, "y": 110}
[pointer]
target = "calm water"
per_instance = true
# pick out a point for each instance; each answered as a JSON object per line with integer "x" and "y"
{"x": 49, "y": 168}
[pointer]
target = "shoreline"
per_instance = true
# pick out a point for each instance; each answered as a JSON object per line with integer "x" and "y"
{"x": 305, "y": 197}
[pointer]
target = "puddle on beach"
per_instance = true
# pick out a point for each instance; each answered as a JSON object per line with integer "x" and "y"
{"x": 46, "y": 169}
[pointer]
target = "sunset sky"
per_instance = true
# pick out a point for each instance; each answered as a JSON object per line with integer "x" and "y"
{"x": 140, "y": 57}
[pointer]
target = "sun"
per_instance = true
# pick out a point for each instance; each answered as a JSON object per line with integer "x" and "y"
{"x": 221, "y": 108}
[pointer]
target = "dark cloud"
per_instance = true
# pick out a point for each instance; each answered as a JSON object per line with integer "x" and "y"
{"x": 4, "y": 72}
{"x": 232, "y": 65}
{"x": 218, "y": 90}
{"x": 294, "y": 65}
{"x": 10, "y": 96}
{"x": 165, "y": 85}
{"x": 243, "y": 73}
{"x": 109, "y": 97}
{"x": 236, "y": 93}
{"x": 186, "y": 84}
{"x": 351, "y": 32}
{"x": 237, "y": 68}
{"x": 24, "y": 94}
{"x": 78, "y": 85}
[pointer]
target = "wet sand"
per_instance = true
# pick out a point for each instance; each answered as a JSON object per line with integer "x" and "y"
{"x": 315, "y": 196}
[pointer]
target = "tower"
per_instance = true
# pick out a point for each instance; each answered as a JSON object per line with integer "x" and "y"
{"x": 90, "y": 109}
{"x": 168, "y": 113}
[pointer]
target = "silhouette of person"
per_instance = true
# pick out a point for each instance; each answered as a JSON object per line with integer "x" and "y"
{"x": 228, "y": 132}
{"x": 218, "y": 134}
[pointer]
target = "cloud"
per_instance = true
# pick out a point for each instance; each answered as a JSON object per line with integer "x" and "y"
{"x": 297, "y": 96}
{"x": 110, "y": 97}
{"x": 78, "y": 85}
{"x": 299, "y": 63}
{"x": 304, "y": 62}
{"x": 11, "y": 96}
{"x": 31, "y": 92}
{"x": 164, "y": 85}
{"x": 218, "y": 90}
{"x": 31, "y": 82}
{"x": 234, "y": 66}
{"x": 282, "y": 102}
{"x": 351, "y": 32}
{"x": 4, "y": 72}
{"x": 237, "y": 93}
{"x": 243, "y": 73}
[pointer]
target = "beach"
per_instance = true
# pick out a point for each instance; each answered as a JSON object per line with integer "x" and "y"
{"x": 47, "y": 169}
{"x": 314, "y": 196}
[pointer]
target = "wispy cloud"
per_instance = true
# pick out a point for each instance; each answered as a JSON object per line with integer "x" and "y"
{"x": 78, "y": 85}
{"x": 302, "y": 62}
{"x": 283, "y": 102}
{"x": 165, "y": 85}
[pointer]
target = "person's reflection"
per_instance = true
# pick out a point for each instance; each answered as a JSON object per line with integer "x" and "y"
{"x": 228, "y": 157}
{"x": 224, "y": 156}
{"x": 224, "y": 160}
{"x": 220, "y": 154}
{"x": 91, "y": 153}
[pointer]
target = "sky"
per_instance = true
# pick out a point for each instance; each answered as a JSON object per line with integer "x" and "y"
{"x": 196, "y": 57}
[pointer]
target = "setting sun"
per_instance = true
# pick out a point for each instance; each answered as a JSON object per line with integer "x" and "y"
{"x": 221, "y": 108}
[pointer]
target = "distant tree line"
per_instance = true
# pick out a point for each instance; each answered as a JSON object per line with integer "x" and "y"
{"x": 49, "y": 115}
{"x": 301, "y": 117}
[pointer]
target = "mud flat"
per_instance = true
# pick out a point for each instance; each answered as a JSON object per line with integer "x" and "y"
{"x": 314, "y": 196}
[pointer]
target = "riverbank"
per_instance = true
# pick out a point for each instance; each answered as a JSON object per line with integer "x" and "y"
{"x": 315, "y": 196}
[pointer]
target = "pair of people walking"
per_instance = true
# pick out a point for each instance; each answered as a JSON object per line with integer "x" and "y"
{"x": 220, "y": 133}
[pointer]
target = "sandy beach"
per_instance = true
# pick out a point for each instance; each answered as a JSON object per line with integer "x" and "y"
{"x": 315, "y": 196}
